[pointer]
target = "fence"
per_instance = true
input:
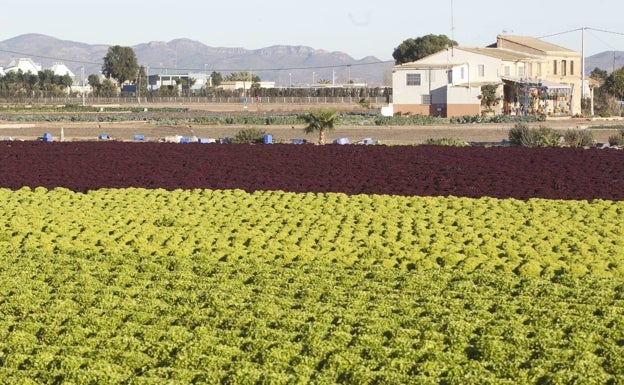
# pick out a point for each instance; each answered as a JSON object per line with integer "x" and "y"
{"x": 183, "y": 100}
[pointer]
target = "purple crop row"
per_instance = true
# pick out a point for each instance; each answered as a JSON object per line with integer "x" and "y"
{"x": 501, "y": 172}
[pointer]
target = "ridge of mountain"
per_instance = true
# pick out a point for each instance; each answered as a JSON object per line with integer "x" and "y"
{"x": 607, "y": 60}
{"x": 283, "y": 64}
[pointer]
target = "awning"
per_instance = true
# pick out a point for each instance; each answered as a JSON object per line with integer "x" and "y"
{"x": 539, "y": 83}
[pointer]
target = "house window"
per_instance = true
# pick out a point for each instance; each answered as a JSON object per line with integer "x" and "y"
{"x": 571, "y": 67}
{"x": 564, "y": 68}
{"x": 507, "y": 70}
{"x": 554, "y": 67}
{"x": 413, "y": 79}
{"x": 462, "y": 73}
{"x": 426, "y": 99}
{"x": 481, "y": 69}
{"x": 521, "y": 72}
{"x": 538, "y": 70}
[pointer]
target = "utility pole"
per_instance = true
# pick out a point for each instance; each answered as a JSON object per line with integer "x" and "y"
{"x": 349, "y": 78}
{"x": 83, "y": 86}
{"x": 583, "y": 64}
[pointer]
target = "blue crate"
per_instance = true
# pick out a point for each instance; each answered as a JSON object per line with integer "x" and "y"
{"x": 268, "y": 139}
{"x": 47, "y": 137}
{"x": 342, "y": 141}
{"x": 298, "y": 141}
{"x": 104, "y": 136}
{"x": 139, "y": 137}
{"x": 185, "y": 140}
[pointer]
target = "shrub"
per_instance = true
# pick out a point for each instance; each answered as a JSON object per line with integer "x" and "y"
{"x": 467, "y": 119}
{"x": 617, "y": 139}
{"x": 523, "y": 135}
{"x": 408, "y": 120}
{"x": 578, "y": 138}
{"x": 446, "y": 142}
{"x": 249, "y": 135}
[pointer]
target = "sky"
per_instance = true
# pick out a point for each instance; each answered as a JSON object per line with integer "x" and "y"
{"x": 358, "y": 28}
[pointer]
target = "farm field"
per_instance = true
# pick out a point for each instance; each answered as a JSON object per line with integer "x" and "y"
{"x": 390, "y": 135}
{"x": 151, "y": 263}
{"x": 189, "y": 120}
{"x": 200, "y": 286}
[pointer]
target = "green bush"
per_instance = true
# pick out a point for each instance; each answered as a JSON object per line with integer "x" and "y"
{"x": 467, "y": 119}
{"x": 249, "y": 135}
{"x": 445, "y": 142}
{"x": 578, "y": 138}
{"x": 617, "y": 139}
{"x": 408, "y": 120}
{"x": 523, "y": 135}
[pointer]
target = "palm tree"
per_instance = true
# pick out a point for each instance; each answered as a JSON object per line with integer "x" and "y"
{"x": 320, "y": 120}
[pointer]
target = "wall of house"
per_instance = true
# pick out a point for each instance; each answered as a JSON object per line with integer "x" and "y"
{"x": 446, "y": 101}
{"x": 462, "y": 110}
{"x": 572, "y": 76}
{"x": 430, "y": 79}
{"x": 456, "y": 57}
{"x": 411, "y": 109}
{"x": 449, "y": 110}
{"x": 467, "y": 68}
{"x": 463, "y": 101}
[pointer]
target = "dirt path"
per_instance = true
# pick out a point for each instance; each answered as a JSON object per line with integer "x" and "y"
{"x": 486, "y": 133}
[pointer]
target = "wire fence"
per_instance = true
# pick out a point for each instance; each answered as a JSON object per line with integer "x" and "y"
{"x": 133, "y": 100}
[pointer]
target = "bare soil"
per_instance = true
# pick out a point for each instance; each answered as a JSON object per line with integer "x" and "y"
{"x": 126, "y": 130}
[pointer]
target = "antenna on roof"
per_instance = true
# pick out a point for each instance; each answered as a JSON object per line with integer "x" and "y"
{"x": 452, "y": 29}
{"x": 452, "y": 23}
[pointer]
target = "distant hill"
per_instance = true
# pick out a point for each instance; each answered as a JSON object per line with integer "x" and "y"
{"x": 608, "y": 60}
{"x": 296, "y": 65}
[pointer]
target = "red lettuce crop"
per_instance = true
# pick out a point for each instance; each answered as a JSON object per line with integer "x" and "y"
{"x": 501, "y": 172}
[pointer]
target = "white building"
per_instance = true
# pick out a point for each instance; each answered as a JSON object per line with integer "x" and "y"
{"x": 25, "y": 64}
{"x": 246, "y": 85}
{"x": 447, "y": 83}
{"x": 532, "y": 76}
{"x": 61, "y": 69}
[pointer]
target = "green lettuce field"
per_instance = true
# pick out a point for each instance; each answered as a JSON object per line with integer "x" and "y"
{"x": 148, "y": 286}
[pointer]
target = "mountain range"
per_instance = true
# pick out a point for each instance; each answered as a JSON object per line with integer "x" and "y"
{"x": 607, "y": 60}
{"x": 284, "y": 64}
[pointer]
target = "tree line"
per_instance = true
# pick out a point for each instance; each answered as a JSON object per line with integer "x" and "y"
{"x": 20, "y": 84}
{"x": 120, "y": 68}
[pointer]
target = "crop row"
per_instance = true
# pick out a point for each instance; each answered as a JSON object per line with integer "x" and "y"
{"x": 535, "y": 237}
{"x": 501, "y": 172}
{"x": 130, "y": 319}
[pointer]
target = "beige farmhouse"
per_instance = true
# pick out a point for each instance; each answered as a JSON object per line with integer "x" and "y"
{"x": 531, "y": 76}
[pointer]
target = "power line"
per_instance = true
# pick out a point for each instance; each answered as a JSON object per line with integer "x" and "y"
{"x": 292, "y": 68}
{"x": 559, "y": 33}
{"x": 580, "y": 29}
{"x": 605, "y": 31}
{"x": 48, "y": 57}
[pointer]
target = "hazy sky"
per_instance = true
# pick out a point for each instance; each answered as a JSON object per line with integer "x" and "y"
{"x": 359, "y": 28}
